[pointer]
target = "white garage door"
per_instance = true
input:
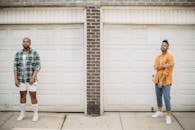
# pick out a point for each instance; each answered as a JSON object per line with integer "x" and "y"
{"x": 61, "y": 79}
{"x": 128, "y": 56}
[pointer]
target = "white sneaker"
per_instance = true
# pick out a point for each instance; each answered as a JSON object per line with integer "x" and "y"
{"x": 21, "y": 116}
{"x": 35, "y": 117}
{"x": 168, "y": 120}
{"x": 157, "y": 114}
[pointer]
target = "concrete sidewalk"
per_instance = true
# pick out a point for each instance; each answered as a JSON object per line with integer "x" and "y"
{"x": 108, "y": 121}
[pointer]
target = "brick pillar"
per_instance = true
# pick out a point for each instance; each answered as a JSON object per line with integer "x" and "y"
{"x": 93, "y": 60}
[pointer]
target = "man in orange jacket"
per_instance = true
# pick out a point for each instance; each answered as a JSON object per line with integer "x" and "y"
{"x": 163, "y": 66}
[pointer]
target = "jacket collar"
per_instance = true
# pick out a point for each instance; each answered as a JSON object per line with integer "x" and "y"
{"x": 21, "y": 51}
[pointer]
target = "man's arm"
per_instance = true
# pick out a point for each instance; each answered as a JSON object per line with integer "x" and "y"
{"x": 166, "y": 69}
{"x": 170, "y": 63}
{"x": 156, "y": 64}
{"x": 160, "y": 83}
{"x": 167, "y": 65}
{"x": 32, "y": 79}
{"x": 17, "y": 83}
{"x": 37, "y": 68}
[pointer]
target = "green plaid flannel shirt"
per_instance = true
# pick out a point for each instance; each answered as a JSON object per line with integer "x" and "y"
{"x": 32, "y": 64}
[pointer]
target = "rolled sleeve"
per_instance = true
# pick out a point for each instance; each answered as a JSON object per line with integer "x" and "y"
{"x": 171, "y": 63}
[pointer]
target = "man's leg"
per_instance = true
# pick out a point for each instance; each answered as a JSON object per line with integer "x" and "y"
{"x": 33, "y": 95}
{"x": 23, "y": 92}
{"x": 166, "y": 93}
{"x": 159, "y": 101}
{"x": 159, "y": 98}
{"x": 22, "y": 104}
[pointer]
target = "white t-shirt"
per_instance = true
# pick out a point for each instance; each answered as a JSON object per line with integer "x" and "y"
{"x": 24, "y": 60}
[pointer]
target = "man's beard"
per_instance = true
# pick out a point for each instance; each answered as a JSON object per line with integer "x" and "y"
{"x": 164, "y": 50}
{"x": 26, "y": 48}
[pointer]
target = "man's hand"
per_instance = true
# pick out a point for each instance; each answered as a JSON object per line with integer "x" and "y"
{"x": 160, "y": 67}
{"x": 160, "y": 84}
{"x": 17, "y": 83}
{"x": 32, "y": 80}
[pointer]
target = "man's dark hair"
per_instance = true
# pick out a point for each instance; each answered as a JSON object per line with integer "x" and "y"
{"x": 166, "y": 41}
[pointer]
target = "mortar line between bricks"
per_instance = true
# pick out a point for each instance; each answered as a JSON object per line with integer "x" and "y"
{"x": 7, "y": 119}
{"x": 63, "y": 122}
{"x": 121, "y": 121}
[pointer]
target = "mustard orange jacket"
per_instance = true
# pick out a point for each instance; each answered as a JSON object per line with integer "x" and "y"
{"x": 167, "y": 72}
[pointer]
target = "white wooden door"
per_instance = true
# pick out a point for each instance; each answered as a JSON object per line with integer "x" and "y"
{"x": 128, "y": 56}
{"x": 61, "y": 79}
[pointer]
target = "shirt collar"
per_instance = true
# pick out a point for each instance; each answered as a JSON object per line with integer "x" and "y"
{"x": 21, "y": 51}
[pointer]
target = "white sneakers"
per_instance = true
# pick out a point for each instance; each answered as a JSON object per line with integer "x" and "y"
{"x": 168, "y": 120}
{"x": 160, "y": 114}
{"x": 35, "y": 117}
{"x": 22, "y": 111}
{"x": 157, "y": 114}
{"x": 21, "y": 116}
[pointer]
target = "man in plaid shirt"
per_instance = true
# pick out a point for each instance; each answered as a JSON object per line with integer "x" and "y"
{"x": 26, "y": 67}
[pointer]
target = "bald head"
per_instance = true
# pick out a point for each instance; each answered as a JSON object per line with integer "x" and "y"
{"x": 26, "y": 43}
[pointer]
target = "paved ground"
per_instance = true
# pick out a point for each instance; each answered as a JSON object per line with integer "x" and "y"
{"x": 108, "y": 121}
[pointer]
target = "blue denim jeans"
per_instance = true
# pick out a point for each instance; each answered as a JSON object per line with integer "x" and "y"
{"x": 165, "y": 91}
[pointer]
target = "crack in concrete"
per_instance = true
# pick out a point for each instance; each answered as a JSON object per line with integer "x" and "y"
{"x": 63, "y": 122}
{"x": 180, "y": 124}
